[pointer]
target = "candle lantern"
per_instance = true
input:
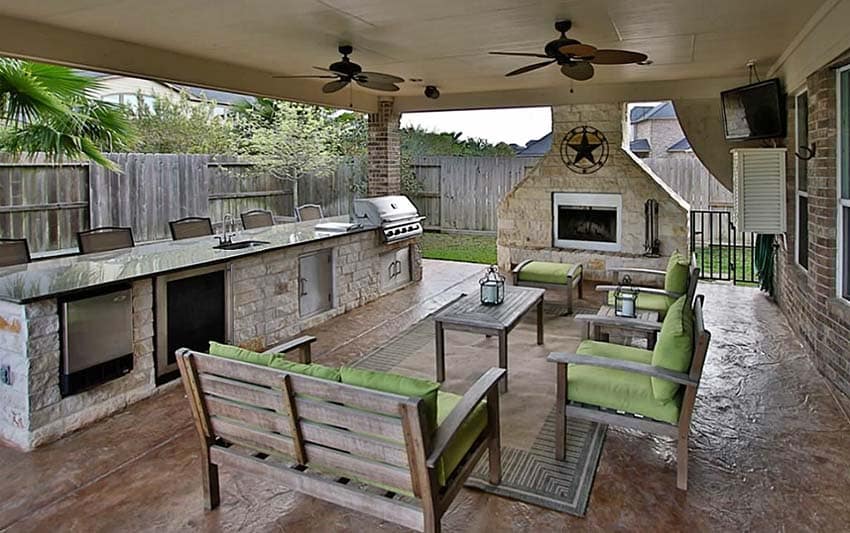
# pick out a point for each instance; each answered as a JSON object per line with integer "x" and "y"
{"x": 492, "y": 287}
{"x": 625, "y": 299}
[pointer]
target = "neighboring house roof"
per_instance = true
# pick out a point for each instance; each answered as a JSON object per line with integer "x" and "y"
{"x": 220, "y": 97}
{"x": 661, "y": 111}
{"x": 640, "y": 146}
{"x": 682, "y": 145}
{"x": 195, "y": 93}
{"x": 637, "y": 112}
{"x": 537, "y": 148}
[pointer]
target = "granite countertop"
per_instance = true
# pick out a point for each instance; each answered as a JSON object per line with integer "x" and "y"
{"x": 63, "y": 275}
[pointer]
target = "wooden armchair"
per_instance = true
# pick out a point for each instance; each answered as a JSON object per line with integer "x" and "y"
{"x": 655, "y": 298}
{"x": 617, "y": 385}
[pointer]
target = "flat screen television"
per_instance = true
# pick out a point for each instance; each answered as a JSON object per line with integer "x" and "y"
{"x": 755, "y": 111}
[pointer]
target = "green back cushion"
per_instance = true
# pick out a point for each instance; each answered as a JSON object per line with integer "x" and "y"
{"x": 674, "y": 348}
{"x": 240, "y": 354}
{"x": 466, "y": 436}
{"x": 313, "y": 369}
{"x": 396, "y": 384}
{"x": 676, "y": 279}
{"x": 545, "y": 272}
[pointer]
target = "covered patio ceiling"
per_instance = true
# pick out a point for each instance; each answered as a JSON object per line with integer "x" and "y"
{"x": 698, "y": 48}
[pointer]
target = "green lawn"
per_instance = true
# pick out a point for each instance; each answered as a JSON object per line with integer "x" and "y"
{"x": 716, "y": 259}
{"x": 454, "y": 247}
{"x": 482, "y": 249}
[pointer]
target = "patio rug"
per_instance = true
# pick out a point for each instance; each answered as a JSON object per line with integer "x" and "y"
{"x": 530, "y": 472}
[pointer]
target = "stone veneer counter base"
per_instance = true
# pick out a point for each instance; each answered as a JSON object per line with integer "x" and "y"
{"x": 264, "y": 291}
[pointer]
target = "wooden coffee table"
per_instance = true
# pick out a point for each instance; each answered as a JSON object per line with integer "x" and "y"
{"x": 607, "y": 310}
{"x": 468, "y": 314}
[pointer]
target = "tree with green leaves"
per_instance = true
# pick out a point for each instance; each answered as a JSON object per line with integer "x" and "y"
{"x": 50, "y": 109}
{"x": 287, "y": 140}
{"x": 178, "y": 126}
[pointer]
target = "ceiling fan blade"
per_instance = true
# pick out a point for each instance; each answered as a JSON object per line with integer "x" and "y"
{"x": 577, "y": 50}
{"x": 379, "y": 77}
{"x": 315, "y": 77}
{"x": 334, "y": 86}
{"x": 577, "y": 71}
{"x": 529, "y": 68}
{"x": 377, "y": 86}
{"x": 521, "y": 54}
{"x": 617, "y": 57}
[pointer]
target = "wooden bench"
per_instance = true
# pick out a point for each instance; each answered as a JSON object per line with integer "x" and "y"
{"x": 352, "y": 446}
{"x": 571, "y": 279}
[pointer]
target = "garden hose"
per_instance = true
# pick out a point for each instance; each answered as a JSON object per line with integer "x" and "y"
{"x": 764, "y": 262}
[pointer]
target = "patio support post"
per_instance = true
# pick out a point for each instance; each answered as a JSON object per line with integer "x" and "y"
{"x": 384, "y": 152}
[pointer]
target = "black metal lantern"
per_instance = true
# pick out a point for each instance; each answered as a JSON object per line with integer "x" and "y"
{"x": 492, "y": 286}
{"x": 625, "y": 299}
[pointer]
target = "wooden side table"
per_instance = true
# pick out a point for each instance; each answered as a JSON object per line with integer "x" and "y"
{"x": 603, "y": 332}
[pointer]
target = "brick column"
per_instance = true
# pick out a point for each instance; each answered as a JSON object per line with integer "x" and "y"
{"x": 384, "y": 169}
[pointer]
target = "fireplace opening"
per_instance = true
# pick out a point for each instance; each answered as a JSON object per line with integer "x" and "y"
{"x": 586, "y": 223}
{"x": 590, "y": 221}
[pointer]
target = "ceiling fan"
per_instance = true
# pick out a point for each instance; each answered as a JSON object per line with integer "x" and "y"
{"x": 575, "y": 58}
{"x": 345, "y": 71}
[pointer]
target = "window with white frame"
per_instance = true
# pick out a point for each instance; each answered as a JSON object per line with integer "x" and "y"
{"x": 801, "y": 128}
{"x": 844, "y": 182}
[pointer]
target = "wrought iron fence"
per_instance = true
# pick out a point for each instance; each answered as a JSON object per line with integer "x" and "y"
{"x": 723, "y": 252}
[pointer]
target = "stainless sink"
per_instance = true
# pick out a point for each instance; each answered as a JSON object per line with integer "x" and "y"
{"x": 240, "y": 245}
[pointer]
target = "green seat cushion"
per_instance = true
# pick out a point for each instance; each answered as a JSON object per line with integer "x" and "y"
{"x": 618, "y": 389}
{"x": 678, "y": 268}
{"x": 313, "y": 369}
{"x": 674, "y": 348}
{"x": 545, "y": 272}
{"x": 649, "y": 302}
{"x": 240, "y": 354}
{"x": 396, "y": 384}
{"x": 465, "y": 438}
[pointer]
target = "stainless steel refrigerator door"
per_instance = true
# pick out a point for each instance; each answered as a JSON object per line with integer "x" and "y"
{"x": 97, "y": 329}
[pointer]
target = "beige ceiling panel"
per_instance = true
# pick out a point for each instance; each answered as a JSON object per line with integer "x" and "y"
{"x": 657, "y": 18}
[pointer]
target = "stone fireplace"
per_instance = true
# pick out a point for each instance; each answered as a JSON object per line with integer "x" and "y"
{"x": 555, "y": 214}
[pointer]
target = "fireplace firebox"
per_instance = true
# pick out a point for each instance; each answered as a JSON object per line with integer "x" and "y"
{"x": 590, "y": 221}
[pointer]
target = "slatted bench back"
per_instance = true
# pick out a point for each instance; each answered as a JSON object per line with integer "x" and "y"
{"x": 330, "y": 426}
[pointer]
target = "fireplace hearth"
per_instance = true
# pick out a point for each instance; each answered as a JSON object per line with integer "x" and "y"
{"x": 587, "y": 221}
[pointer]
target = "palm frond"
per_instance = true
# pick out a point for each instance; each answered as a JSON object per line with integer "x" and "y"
{"x": 25, "y": 96}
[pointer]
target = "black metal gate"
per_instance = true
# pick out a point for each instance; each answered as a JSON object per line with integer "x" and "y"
{"x": 723, "y": 252}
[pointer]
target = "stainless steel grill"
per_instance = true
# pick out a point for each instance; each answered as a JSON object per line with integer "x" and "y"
{"x": 395, "y": 215}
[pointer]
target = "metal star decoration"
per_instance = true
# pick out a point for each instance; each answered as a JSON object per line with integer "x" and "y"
{"x": 584, "y": 150}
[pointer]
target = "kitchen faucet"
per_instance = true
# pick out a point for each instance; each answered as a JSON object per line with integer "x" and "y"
{"x": 226, "y": 236}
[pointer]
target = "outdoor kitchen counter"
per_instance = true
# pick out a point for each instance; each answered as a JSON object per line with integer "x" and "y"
{"x": 61, "y": 276}
{"x": 62, "y": 372}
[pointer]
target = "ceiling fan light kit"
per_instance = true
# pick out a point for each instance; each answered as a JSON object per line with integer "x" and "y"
{"x": 575, "y": 58}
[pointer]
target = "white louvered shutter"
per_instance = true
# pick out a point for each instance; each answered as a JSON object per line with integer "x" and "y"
{"x": 758, "y": 176}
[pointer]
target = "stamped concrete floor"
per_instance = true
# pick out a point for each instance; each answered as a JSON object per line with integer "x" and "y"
{"x": 769, "y": 447}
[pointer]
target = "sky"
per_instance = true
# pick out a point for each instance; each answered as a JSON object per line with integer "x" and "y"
{"x": 516, "y": 125}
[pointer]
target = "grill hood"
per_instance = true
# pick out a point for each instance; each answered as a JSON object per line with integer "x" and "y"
{"x": 396, "y": 215}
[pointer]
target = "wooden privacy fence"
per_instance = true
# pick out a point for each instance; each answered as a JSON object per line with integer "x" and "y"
{"x": 463, "y": 193}
{"x": 48, "y": 204}
{"x": 689, "y": 177}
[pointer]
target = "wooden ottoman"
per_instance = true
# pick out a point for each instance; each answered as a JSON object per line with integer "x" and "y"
{"x": 546, "y": 275}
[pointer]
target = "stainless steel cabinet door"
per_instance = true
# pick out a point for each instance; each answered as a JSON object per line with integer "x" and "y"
{"x": 395, "y": 268}
{"x": 315, "y": 282}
